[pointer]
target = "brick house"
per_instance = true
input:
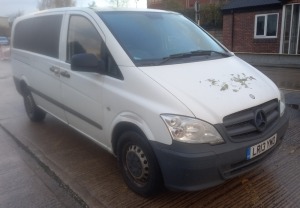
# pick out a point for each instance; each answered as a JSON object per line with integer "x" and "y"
{"x": 262, "y": 26}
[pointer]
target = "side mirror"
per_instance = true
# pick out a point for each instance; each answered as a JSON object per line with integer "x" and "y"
{"x": 86, "y": 62}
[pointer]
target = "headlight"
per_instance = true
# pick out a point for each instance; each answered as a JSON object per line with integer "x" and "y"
{"x": 191, "y": 130}
{"x": 282, "y": 103}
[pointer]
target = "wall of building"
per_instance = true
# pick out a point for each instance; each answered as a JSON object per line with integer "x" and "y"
{"x": 271, "y": 60}
{"x": 216, "y": 33}
{"x": 238, "y": 33}
{"x": 154, "y": 4}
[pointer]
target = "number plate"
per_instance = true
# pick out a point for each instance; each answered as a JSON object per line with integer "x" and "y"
{"x": 260, "y": 148}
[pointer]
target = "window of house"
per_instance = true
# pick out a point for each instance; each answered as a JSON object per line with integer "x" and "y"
{"x": 266, "y": 26}
{"x": 291, "y": 29}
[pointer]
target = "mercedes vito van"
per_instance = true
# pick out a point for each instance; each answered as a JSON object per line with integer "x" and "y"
{"x": 169, "y": 101}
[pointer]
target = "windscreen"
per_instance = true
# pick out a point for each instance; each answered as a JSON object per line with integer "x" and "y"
{"x": 151, "y": 37}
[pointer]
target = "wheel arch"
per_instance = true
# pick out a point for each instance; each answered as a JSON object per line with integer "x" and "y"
{"x": 121, "y": 128}
{"x": 21, "y": 85}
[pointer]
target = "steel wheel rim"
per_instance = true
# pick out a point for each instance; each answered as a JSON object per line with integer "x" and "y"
{"x": 137, "y": 165}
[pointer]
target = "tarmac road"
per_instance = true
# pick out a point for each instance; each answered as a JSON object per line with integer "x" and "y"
{"x": 67, "y": 170}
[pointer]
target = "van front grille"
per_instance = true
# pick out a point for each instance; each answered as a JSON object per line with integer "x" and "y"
{"x": 252, "y": 122}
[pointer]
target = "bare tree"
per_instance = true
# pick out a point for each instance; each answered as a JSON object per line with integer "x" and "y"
{"x": 119, "y": 3}
{"x": 48, "y": 4}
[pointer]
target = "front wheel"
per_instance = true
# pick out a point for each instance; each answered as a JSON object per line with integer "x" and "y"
{"x": 138, "y": 164}
{"x": 34, "y": 113}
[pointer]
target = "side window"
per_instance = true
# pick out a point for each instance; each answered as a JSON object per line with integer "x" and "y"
{"x": 39, "y": 35}
{"x": 83, "y": 38}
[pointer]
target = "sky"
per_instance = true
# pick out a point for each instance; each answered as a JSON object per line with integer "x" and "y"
{"x": 9, "y": 7}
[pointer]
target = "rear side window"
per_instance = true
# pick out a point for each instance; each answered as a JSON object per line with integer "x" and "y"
{"x": 39, "y": 35}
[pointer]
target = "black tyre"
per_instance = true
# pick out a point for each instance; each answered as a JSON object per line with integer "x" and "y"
{"x": 138, "y": 164}
{"x": 34, "y": 113}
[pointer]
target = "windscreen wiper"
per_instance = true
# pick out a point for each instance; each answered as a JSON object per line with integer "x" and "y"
{"x": 192, "y": 53}
{"x": 210, "y": 52}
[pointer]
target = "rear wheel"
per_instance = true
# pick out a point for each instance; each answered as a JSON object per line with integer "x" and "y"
{"x": 138, "y": 164}
{"x": 34, "y": 113}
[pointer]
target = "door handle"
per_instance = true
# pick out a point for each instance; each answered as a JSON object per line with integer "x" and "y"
{"x": 65, "y": 74}
{"x": 55, "y": 70}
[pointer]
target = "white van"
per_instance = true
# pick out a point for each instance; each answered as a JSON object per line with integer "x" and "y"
{"x": 154, "y": 89}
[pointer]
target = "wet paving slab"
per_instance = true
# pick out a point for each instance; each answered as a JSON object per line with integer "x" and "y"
{"x": 93, "y": 174}
{"x": 24, "y": 183}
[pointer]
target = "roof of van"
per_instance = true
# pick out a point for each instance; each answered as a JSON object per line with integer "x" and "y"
{"x": 98, "y": 9}
{"x": 88, "y": 10}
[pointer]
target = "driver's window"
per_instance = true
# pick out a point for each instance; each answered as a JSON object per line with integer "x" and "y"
{"x": 82, "y": 38}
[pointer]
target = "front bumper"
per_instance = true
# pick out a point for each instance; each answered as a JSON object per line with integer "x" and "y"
{"x": 191, "y": 167}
